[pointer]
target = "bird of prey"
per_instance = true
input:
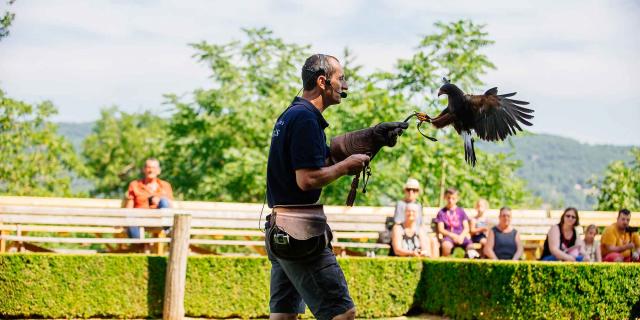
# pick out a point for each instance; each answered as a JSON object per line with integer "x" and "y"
{"x": 493, "y": 117}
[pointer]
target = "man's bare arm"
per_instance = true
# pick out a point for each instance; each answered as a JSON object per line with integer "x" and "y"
{"x": 310, "y": 179}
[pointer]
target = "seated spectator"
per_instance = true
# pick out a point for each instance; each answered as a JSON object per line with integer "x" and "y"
{"x": 411, "y": 192}
{"x": 148, "y": 193}
{"x": 410, "y": 239}
{"x": 591, "y": 245}
{"x": 478, "y": 225}
{"x": 562, "y": 242}
{"x": 503, "y": 241}
{"x": 453, "y": 224}
{"x": 619, "y": 243}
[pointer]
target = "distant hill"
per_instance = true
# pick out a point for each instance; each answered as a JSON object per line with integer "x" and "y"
{"x": 557, "y": 169}
{"x": 75, "y": 132}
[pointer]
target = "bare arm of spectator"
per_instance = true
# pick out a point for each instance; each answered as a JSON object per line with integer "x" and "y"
{"x": 396, "y": 242}
{"x": 474, "y": 229}
{"x": 446, "y": 233}
{"x": 554, "y": 245}
{"x": 580, "y": 244}
{"x": 609, "y": 240}
{"x": 519, "y": 247}
{"x": 130, "y": 195}
{"x": 619, "y": 248}
{"x": 425, "y": 244}
{"x": 598, "y": 253}
{"x": 465, "y": 231}
{"x": 488, "y": 247}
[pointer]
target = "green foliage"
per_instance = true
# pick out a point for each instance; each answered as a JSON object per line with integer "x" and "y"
{"x": 218, "y": 145}
{"x": 620, "y": 187}
{"x": 5, "y": 21}
{"x": 66, "y": 286}
{"x": 532, "y": 290}
{"x": 131, "y": 286}
{"x": 117, "y": 147}
{"x": 36, "y": 161}
{"x": 454, "y": 51}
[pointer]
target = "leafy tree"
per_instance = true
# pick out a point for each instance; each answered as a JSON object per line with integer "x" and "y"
{"x": 218, "y": 144}
{"x": 453, "y": 51}
{"x": 5, "y": 21}
{"x": 36, "y": 161}
{"x": 117, "y": 147}
{"x": 620, "y": 187}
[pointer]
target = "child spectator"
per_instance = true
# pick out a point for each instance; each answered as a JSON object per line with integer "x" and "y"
{"x": 591, "y": 245}
{"x": 562, "y": 242}
{"x": 453, "y": 224}
{"x": 503, "y": 241}
{"x": 478, "y": 225}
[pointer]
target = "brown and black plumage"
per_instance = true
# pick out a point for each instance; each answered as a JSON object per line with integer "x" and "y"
{"x": 493, "y": 117}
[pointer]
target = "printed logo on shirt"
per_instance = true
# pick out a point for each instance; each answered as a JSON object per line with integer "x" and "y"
{"x": 277, "y": 129}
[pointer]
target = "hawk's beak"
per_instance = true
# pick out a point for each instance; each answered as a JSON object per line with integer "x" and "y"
{"x": 440, "y": 92}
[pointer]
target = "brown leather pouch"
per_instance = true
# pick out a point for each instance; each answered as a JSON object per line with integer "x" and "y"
{"x": 301, "y": 222}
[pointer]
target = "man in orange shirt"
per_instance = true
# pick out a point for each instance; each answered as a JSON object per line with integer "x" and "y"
{"x": 149, "y": 192}
{"x": 618, "y": 242}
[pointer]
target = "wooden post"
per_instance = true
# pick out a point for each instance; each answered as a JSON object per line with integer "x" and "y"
{"x": 176, "y": 278}
{"x": 19, "y": 233}
{"x": 3, "y": 242}
{"x": 160, "y": 245}
{"x": 443, "y": 175}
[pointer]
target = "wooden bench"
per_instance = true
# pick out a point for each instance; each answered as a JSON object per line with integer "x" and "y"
{"x": 355, "y": 229}
{"x": 234, "y": 224}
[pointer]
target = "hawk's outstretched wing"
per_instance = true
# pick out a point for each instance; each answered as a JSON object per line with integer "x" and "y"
{"x": 498, "y": 116}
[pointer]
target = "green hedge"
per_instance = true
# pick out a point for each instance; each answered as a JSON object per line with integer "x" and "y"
{"x": 131, "y": 286}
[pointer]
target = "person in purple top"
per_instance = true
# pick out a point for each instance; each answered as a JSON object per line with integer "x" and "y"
{"x": 453, "y": 224}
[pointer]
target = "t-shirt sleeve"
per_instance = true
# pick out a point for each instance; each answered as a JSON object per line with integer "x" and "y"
{"x": 608, "y": 238}
{"x": 635, "y": 238}
{"x": 463, "y": 215}
{"x": 440, "y": 217}
{"x": 131, "y": 193}
{"x": 307, "y": 147}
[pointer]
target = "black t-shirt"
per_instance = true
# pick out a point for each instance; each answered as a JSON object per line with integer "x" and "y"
{"x": 297, "y": 142}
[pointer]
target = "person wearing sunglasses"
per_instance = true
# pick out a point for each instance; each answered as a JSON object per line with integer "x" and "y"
{"x": 411, "y": 192}
{"x": 562, "y": 242}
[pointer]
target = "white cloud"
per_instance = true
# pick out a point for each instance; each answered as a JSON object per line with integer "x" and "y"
{"x": 566, "y": 57}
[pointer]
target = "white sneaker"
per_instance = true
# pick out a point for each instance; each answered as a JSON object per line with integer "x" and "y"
{"x": 473, "y": 254}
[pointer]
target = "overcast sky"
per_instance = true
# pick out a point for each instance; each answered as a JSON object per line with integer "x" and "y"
{"x": 578, "y": 62}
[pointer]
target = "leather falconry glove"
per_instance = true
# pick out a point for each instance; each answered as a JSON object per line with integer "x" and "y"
{"x": 366, "y": 141}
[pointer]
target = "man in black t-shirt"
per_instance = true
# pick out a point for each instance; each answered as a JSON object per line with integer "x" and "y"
{"x": 300, "y": 164}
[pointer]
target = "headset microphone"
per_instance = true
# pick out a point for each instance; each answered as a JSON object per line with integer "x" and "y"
{"x": 341, "y": 93}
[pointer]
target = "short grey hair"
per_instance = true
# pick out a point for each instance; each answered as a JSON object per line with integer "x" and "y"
{"x": 315, "y": 66}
